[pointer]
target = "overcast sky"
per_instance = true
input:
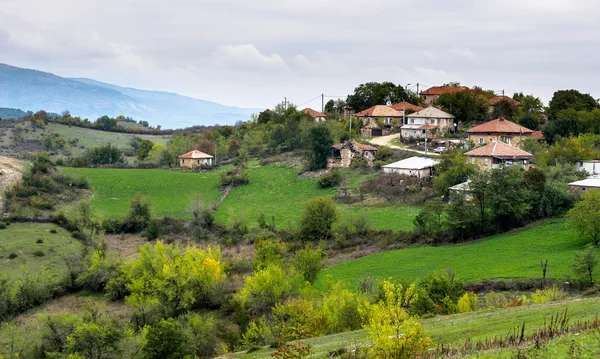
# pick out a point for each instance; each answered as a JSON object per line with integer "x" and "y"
{"x": 252, "y": 53}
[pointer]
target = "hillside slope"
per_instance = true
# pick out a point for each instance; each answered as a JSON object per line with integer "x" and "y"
{"x": 34, "y": 90}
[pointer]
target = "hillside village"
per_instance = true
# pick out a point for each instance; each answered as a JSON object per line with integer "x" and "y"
{"x": 421, "y": 225}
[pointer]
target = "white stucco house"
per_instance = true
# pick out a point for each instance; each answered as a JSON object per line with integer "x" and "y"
{"x": 428, "y": 121}
{"x": 420, "y": 167}
{"x": 592, "y": 167}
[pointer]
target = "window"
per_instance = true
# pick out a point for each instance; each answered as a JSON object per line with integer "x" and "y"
{"x": 485, "y": 160}
{"x": 412, "y": 120}
{"x": 480, "y": 139}
{"x": 506, "y": 139}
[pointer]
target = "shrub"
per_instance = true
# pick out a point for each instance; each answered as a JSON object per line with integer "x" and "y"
{"x": 139, "y": 215}
{"x": 165, "y": 340}
{"x": 317, "y": 219}
{"x": 443, "y": 288}
{"x": 101, "y": 268}
{"x": 79, "y": 235}
{"x": 467, "y": 303}
{"x": 40, "y": 202}
{"x": 3, "y": 225}
{"x": 308, "y": 262}
{"x": 53, "y": 231}
{"x": 494, "y": 300}
{"x": 551, "y": 294}
{"x": 13, "y": 255}
{"x": 154, "y": 229}
{"x": 39, "y": 241}
{"x": 39, "y": 253}
{"x": 330, "y": 179}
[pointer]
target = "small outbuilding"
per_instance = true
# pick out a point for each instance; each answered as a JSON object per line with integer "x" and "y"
{"x": 420, "y": 167}
{"x": 586, "y": 184}
{"x": 592, "y": 167}
{"x": 195, "y": 159}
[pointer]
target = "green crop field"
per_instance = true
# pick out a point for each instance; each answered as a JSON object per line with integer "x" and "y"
{"x": 515, "y": 254}
{"x": 455, "y": 329}
{"x": 276, "y": 191}
{"x": 171, "y": 193}
{"x": 21, "y": 238}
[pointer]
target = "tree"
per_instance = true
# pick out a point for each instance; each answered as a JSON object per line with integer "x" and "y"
{"x": 319, "y": 146}
{"x": 166, "y": 339}
{"x": 429, "y": 222}
{"x": 394, "y": 333}
{"x": 454, "y": 168}
{"x": 585, "y": 262}
{"x": 143, "y": 149}
{"x": 529, "y": 120}
{"x": 572, "y": 149}
{"x": 103, "y": 155}
{"x": 508, "y": 196}
{"x": 467, "y": 106}
{"x": 317, "y": 219}
{"x": 374, "y": 93}
{"x": 460, "y": 215}
{"x": 309, "y": 262}
{"x": 106, "y": 123}
{"x": 139, "y": 214}
{"x": 505, "y": 109}
{"x": 570, "y": 99}
{"x": 564, "y": 124}
{"x": 530, "y": 104}
{"x": 584, "y": 217}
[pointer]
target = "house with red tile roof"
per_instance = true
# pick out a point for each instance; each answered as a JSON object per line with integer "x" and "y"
{"x": 498, "y": 154}
{"x": 432, "y": 93}
{"x": 194, "y": 159}
{"x": 385, "y": 115}
{"x": 499, "y": 129}
{"x": 494, "y": 100}
{"x": 316, "y": 115}
{"x": 406, "y": 106}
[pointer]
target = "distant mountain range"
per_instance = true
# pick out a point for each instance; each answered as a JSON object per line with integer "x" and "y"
{"x": 32, "y": 90}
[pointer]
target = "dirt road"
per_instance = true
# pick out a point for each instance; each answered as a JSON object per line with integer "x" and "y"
{"x": 385, "y": 141}
{"x": 10, "y": 172}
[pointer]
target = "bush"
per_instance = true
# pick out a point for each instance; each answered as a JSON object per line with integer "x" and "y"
{"x": 494, "y": 300}
{"x": 53, "y": 231}
{"x": 165, "y": 340}
{"x": 551, "y": 294}
{"x": 309, "y": 263}
{"x": 13, "y": 255}
{"x": 467, "y": 303}
{"x": 330, "y": 179}
{"x": 3, "y": 225}
{"x": 317, "y": 219}
{"x": 39, "y": 241}
{"x": 39, "y": 253}
{"x": 154, "y": 230}
{"x": 139, "y": 215}
{"x": 442, "y": 286}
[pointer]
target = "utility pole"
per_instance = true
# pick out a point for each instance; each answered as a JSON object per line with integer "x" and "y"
{"x": 322, "y": 103}
{"x": 285, "y": 103}
{"x": 418, "y": 94}
{"x": 350, "y": 126}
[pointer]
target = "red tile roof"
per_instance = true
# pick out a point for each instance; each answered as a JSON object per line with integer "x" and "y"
{"x": 365, "y": 147}
{"x": 440, "y": 90}
{"x": 401, "y": 106}
{"x": 379, "y": 111}
{"x": 195, "y": 155}
{"x": 494, "y": 100}
{"x": 427, "y": 127}
{"x": 499, "y": 149}
{"x": 538, "y": 135}
{"x": 312, "y": 113}
{"x": 500, "y": 125}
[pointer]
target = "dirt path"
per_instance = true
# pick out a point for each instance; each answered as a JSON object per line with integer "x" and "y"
{"x": 385, "y": 141}
{"x": 10, "y": 172}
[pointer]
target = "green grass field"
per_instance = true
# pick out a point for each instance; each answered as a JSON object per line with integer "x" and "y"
{"x": 20, "y": 239}
{"x": 170, "y": 193}
{"x": 515, "y": 254}
{"x": 455, "y": 329}
{"x": 276, "y": 191}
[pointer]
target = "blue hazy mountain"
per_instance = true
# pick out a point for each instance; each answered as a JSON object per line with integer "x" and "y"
{"x": 36, "y": 90}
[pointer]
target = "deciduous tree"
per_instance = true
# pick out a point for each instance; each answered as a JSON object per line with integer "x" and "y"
{"x": 584, "y": 217}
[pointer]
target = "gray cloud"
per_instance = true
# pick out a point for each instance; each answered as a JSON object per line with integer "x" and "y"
{"x": 253, "y": 53}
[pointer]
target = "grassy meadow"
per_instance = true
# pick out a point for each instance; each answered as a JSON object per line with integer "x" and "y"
{"x": 21, "y": 239}
{"x": 455, "y": 329}
{"x": 170, "y": 193}
{"x": 514, "y": 254}
{"x": 275, "y": 191}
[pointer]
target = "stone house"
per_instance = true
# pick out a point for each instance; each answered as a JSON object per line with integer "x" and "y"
{"x": 378, "y": 120}
{"x": 195, "y": 159}
{"x": 430, "y": 119}
{"x": 433, "y": 93}
{"x": 315, "y": 115}
{"x": 344, "y": 153}
{"x": 502, "y": 130}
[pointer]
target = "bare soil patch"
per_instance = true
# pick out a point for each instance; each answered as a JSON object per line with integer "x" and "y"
{"x": 10, "y": 173}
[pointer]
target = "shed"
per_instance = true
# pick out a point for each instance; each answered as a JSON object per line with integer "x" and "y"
{"x": 592, "y": 167}
{"x": 420, "y": 167}
{"x": 586, "y": 184}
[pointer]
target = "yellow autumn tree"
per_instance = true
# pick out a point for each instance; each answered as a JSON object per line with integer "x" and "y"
{"x": 395, "y": 334}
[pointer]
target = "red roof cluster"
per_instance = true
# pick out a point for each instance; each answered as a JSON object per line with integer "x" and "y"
{"x": 440, "y": 90}
{"x": 312, "y": 113}
{"x": 379, "y": 111}
{"x": 401, "y": 106}
{"x": 538, "y": 135}
{"x": 499, "y": 149}
{"x": 494, "y": 100}
{"x": 500, "y": 125}
{"x": 365, "y": 147}
{"x": 195, "y": 155}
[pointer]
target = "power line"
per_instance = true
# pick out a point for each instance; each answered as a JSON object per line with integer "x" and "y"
{"x": 304, "y": 103}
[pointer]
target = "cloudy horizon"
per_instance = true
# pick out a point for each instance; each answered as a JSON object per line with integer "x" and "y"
{"x": 255, "y": 53}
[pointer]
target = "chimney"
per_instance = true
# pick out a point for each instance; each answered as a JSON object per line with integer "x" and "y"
{"x": 501, "y": 119}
